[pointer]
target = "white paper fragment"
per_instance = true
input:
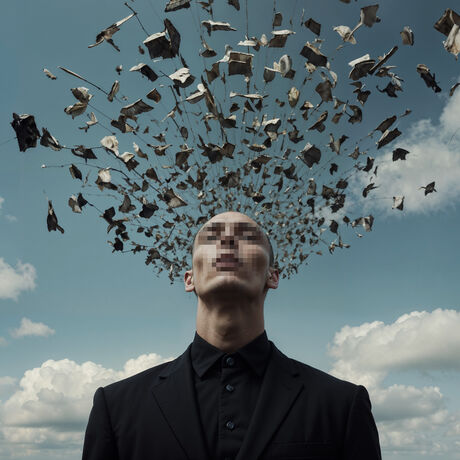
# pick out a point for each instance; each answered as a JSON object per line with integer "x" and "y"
{"x": 131, "y": 110}
{"x": 283, "y": 66}
{"x": 73, "y": 203}
{"x": 49, "y": 74}
{"x": 452, "y": 44}
{"x": 126, "y": 156}
{"x": 145, "y": 70}
{"x": 212, "y": 26}
{"x": 82, "y": 94}
{"x": 398, "y": 202}
{"x": 279, "y": 38}
{"x": 182, "y": 77}
{"x": 110, "y": 143}
{"x": 346, "y": 33}
{"x": 114, "y": 90}
{"x": 361, "y": 67}
{"x": 197, "y": 95}
{"x": 247, "y": 96}
{"x": 407, "y": 36}
{"x": 293, "y": 96}
{"x": 104, "y": 175}
{"x": 368, "y": 15}
{"x": 174, "y": 5}
{"x": 76, "y": 109}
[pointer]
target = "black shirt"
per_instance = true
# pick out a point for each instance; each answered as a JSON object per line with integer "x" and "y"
{"x": 227, "y": 387}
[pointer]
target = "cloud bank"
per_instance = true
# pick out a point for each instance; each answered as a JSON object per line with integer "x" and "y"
{"x": 15, "y": 280}
{"x": 29, "y": 328}
{"x": 50, "y": 407}
{"x": 409, "y": 418}
{"x": 433, "y": 156}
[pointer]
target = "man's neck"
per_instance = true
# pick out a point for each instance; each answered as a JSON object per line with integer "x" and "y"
{"x": 229, "y": 328}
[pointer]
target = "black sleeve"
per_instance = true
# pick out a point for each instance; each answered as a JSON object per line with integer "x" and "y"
{"x": 99, "y": 441}
{"x": 361, "y": 438}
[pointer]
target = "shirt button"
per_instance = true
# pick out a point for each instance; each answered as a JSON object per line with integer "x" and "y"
{"x": 229, "y": 388}
{"x": 230, "y": 361}
{"x": 230, "y": 425}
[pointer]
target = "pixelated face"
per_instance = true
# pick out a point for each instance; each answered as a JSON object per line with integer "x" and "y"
{"x": 230, "y": 251}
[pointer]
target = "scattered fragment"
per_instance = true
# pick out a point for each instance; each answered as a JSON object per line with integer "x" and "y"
{"x": 49, "y": 74}
{"x": 407, "y": 37}
{"x": 429, "y": 188}
{"x": 51, "y": 219}
{"x": 107, "y": 34}
{"x": 430, "y": 80}
{"x": 26, "y": 131}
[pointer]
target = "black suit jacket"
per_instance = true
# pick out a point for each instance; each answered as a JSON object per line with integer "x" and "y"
{"x": 301, "y": 413}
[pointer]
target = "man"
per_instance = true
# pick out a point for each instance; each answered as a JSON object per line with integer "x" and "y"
{"x": 232, "y": 394}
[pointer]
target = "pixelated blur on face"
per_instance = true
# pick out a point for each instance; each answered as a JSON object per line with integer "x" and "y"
{"x": 231, "y": 246}
{"x": 231, "y": 254}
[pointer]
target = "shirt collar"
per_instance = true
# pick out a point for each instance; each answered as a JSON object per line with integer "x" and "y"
{"x": 255, "y": 353}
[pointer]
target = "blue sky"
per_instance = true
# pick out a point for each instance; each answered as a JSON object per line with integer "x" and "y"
{"x": 74, "y": 315}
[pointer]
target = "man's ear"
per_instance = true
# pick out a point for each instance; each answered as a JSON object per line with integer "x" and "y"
{"x": 188, "y": 281}
{"x": 273, "y": 278}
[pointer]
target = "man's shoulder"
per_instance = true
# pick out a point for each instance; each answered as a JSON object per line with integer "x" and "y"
{"x": 317, "y": 380}
{"x": 142, "y": 380}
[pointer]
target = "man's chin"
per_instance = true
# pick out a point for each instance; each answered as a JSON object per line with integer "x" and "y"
{"x": 228, "y": 282}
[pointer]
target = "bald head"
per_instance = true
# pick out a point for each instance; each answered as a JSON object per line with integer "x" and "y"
{"x": 239, "y": 220}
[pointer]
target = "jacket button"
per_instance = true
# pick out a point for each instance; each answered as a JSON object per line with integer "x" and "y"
{"x": 230, "y": 425}
{"x": 229, "y": 388}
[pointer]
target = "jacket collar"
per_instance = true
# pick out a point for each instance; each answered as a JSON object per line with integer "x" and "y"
{"x": 174, "y": 393}
{"x": 255, "y": 354}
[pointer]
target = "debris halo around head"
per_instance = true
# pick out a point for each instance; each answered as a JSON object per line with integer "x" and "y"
{"x": 261, "y": 130}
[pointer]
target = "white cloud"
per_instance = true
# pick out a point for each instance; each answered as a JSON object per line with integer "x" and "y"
{"x": 2, "y": 341}
{"x": 15, "y": 280}
{"x": 418, "y": 340}
{"x": 50, "y": 408}
{"x": 7, "y": 381}
{"x": 410, "y": 419}
{"x": 433, "y": 157}
{"x": 2, "y": 200}
{"x": 11, "y": 218}
{"x": 28, "y": 327}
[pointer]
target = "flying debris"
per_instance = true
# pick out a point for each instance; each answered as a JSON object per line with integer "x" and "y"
{"x": 92, "y": 121}
{"x": 226, "y": 132}
{"x": 107, "y": 34}
{"x": 407, "y": 37}
{"x": 212, "y": 26}
{"x": 174, "y": 5}
{"x": 361, "y": 67}
{"x": 346, "y": 33}
{"x": 114, "y": 90}
{"x": 452, "y": 90}
{"x": 387, "y": 137}
{"x": 49, "y": 74}
{"x": 26, "y": 131}
{"x": 399, "y": 154}
{"x": 398, "y": 202}
{"x": 145, "y": 70}
{"x": 430, "y": 80}
{"x": 449, "y": 25}
{"x": 51, "y": 219}
{"x": 429, "y": 188}
{"x": 47, "y": 140}
{"x": 313, "y": 55}
{"x": 314, "y": 26}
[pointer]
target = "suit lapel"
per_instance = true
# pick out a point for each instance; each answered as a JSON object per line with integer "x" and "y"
{"x": 279, "y": 390}
{"x": 175, "y": 395}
